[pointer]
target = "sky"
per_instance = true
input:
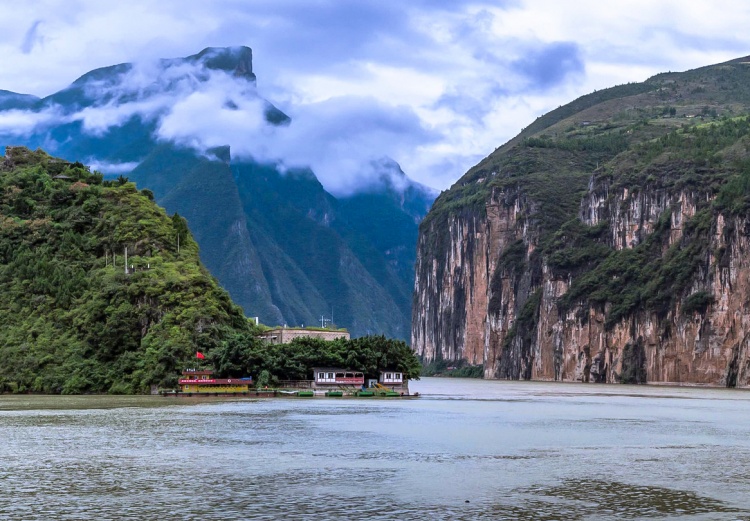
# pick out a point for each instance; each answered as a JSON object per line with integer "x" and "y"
{"x": 435, "y": 85}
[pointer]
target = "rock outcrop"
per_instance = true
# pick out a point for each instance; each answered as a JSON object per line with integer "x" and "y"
{"x": 618, "y": 253}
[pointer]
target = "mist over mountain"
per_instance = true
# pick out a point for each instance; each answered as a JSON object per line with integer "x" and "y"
{"x": 116, "y": 114}
{"x": 290, "y": 245}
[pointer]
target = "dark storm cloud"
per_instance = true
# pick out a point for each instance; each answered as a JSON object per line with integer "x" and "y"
{"x": 550, "y": 64}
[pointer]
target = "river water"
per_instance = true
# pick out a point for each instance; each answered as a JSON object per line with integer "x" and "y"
{"x": 466, "y": 449}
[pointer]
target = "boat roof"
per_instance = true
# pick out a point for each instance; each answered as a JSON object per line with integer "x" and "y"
{"x": 335, "y": 369}
{"x": 218, "y": 381}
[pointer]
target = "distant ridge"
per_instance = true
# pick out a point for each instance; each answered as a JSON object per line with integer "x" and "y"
{"x": 285, "y": 249}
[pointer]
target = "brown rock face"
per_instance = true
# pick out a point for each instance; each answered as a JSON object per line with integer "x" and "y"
{"x": 608, "y": 242}
{"x": 468, "y": 306}
{"x": 453, "y": 292}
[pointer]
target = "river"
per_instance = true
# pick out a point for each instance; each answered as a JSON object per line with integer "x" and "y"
{"x": 466, "y": 449}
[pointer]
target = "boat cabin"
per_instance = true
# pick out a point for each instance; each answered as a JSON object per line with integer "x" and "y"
{"x": 201, "y": 381}
{"x": 330, "y": 376}
{"x": 391, "y": 378}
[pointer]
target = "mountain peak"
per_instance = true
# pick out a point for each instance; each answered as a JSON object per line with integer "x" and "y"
{"x": 236, "y": 60}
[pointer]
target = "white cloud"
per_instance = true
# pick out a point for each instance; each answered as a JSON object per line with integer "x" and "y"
{"x": 111, "y": 168}
{"x": 97, "y": 120}
{"x": 216, "y": 114}
{"x": 455, "y": 68}
{"x": 23, "y": 122}
{"x": 341, "y": 138}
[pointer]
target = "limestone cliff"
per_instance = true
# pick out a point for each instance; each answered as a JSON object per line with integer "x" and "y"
{"x": 609, "y": 242}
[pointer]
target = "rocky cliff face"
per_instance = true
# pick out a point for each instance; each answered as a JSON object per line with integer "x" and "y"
{"x": 645, "y": 278}
{"x": 456, "y": 318}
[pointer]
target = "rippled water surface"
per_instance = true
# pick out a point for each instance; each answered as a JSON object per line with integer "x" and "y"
{"x": 467, "y": 449}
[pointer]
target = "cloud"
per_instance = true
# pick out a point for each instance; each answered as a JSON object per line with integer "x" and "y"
{"x": 111, "y": 168}
{"x": 31, "y": 38}
{"x": 468, "y": 74}
{"x": 340, "y": 139}
{"x": 218, "y": 112}
{"x": 25, "y": 122}
{"x": 549, "y": 65}
{"x": 344, "y": 139}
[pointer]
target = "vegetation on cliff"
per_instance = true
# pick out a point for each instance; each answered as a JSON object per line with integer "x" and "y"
{"x": 653, "y": 275}
{"x": 596, "y": 192}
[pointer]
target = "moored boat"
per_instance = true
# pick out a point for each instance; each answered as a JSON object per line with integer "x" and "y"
{"x": 201, "y": 382}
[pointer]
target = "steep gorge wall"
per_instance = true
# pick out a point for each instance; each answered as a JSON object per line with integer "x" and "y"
{"x": 471, "y": 305}
{"x": 685, "y": 346}
{"x": 453, "y": 276}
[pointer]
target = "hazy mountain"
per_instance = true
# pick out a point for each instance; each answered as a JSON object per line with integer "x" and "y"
{"x": 285, "y": 249}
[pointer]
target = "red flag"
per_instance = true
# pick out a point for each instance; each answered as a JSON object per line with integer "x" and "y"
{"x": 200, "y": 355}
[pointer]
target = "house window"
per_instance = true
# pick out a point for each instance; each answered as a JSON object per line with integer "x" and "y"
{"x": 187, "y": 387}
{"x": 330, "y": 376}
{"x": 321, "y": 376}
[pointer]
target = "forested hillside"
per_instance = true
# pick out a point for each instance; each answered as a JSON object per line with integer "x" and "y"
{"x": 73, "y": 320}
{"x": 285, "y": 249}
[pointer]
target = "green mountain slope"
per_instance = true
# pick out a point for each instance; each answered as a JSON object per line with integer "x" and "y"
{"x": 307, "y": 225}
{"x": 73, "y": 320}
{"x": 285, "y": 249}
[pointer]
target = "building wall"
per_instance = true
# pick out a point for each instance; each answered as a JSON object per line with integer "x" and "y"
{"x": 385, "y": 380}
{"x": 285, "y": 335}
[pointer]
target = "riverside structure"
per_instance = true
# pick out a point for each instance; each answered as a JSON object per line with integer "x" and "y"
{"x": 201, "y": 381}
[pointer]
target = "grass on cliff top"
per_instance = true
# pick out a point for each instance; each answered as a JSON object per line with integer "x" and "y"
{"x": 604, "y": 123}
{"x": 697, "y": 157}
